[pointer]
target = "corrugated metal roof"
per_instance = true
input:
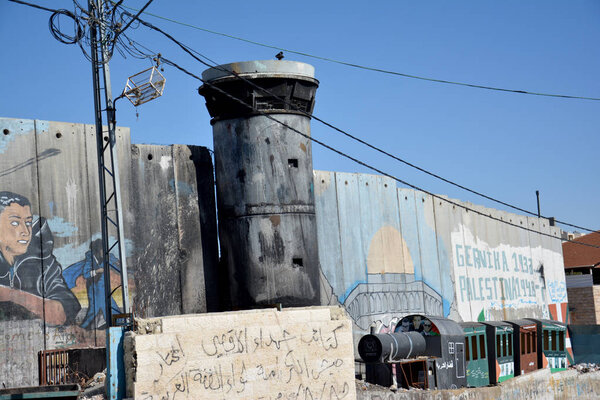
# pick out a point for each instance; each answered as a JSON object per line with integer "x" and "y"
{"x": 548, "y": 322}
{"x": 446, "y": 326}
{"x": 471, "y": 324}
{"x": 521, "y": 322}
{"x": 498, "y": 323}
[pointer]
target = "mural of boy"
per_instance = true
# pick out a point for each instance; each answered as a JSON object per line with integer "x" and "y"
{"x": 31, "y": 281}
{"x": 403, "y": 326}
{"x": 91, "y": 269}
{"x": 429, "y": 329}
{"x": 417, "y": 323}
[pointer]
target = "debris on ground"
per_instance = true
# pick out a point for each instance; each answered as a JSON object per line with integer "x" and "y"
{"x": 94, "y": 388}
{"x": 97, "y": 379}
{"x": 585, "y": 367}
{"x": 94, "y": 397}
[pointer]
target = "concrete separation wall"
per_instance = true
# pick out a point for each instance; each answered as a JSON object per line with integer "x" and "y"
{"x": 296, "y": 353}
{"x": 387, "y": 252}
{"x": 540, "y": 385}
{"x": 51, "y": 290}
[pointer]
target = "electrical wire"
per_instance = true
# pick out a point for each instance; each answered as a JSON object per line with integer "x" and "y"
{"x": 373, "y": 69}
{"x": 82, "y": 19}
{"x": 215, "y": 65}
{"x": 54, "y": 25}
{"x": 378, "y": 149}
{"x": 34, "y": 5}
{"x": 364, "y": 164}
{"x": 132, "y": 20}
{"x": 122, "y": 48}
{"x": 356, "y": 160}
{"x": 68, "y": 39}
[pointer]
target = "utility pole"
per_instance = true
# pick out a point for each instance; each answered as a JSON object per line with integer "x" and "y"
{"x": 109, "y": 185}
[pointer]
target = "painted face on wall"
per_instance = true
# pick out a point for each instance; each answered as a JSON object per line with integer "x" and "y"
{"x": 417, "y": 322}
{"x": 405, "y": 324}
{"x": 15, "y": 230}
{"x": 427, "y": 325}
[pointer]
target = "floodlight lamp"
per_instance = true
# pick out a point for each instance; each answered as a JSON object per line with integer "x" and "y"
{"x": 144, "y": 86}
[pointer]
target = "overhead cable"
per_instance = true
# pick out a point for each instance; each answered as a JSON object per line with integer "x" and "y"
{"x": 364, "y": 164}
{"x": 186, "y": 48}
{"x": 189, "y": 50}
{"x": 131, "y": 21}
{"x": 341, "y": 153}
{"x": 68, "y": 39}
{"x": 34, "y": 5}
{"x": 368, "y": 68}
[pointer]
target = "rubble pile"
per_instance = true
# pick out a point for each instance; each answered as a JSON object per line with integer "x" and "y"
{"x": 586, "y": 367}
{"x": 94, "y": 388}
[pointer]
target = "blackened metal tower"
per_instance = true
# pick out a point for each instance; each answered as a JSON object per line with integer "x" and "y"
{"x": 264, "y": 176}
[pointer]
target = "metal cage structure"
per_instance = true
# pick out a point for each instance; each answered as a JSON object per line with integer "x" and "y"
{"x": 144, "y": 86}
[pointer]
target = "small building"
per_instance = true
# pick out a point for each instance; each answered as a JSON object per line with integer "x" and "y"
{"x": 446, "y": 342}
{"x": 582, "y": 270}
{"x": 500, "y": 351}
{"x": 582, "y": 273}
{"x": 476, "y": 354}
{"x": 524, "y": 345}
{"x": 426, "y": 353}
{"x": 552, "y": 351}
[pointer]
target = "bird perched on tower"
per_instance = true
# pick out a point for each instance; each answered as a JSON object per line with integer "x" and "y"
{"x": 279, "y": 55}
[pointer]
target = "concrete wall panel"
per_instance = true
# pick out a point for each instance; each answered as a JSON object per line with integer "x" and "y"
{"x": 64, "y": 204}
{"x": 410, "y": 228}
{"x": 448, "y": 220}
{"x": 382, "y": 245}
{"x": 554, "y": 273}
{"x": 428, "y": 248}
{"x": 18, "y": 142}
{"x": 205, "y": 185}
{"x": 155, "y": 259}
{"x": 94, "y": 294}
{"x": 380, "y": 224}
{"x": 353, "y": 255}
{"x": 328, "y": 230}
{"x": 190, "y": 234}
{"x": 19, "y": 343}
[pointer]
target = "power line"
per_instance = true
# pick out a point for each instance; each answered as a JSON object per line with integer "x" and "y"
{"x": 368, "y": 68}
{"x": 364, "y": 164}
{"x": 34, "y": 5}
{"x": 331, "y": 148}
{"x": 80, "y": 37}
{"x": 116, "y": 39}
{"x": 131, "y": 21}
{"x": 189, "y": 50}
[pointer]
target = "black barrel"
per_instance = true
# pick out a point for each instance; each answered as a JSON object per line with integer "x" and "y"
{"x": 384, "y": 347}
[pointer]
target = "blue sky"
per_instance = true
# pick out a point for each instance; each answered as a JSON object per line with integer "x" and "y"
{"x": 502, "y": 144}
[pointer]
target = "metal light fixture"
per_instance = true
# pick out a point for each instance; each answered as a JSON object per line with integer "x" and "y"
{"x": 144, "y": 86}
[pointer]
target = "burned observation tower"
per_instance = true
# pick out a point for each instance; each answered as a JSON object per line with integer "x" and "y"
{"x": 264, "y": 175}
